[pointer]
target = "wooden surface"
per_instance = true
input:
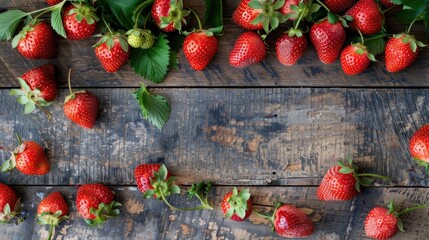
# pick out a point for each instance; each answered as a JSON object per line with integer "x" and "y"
{"x": 273, "y": 129}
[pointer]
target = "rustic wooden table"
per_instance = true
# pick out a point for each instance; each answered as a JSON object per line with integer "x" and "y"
{"x": 273, "y": 129}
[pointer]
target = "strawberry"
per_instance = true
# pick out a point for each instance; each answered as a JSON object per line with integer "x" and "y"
{"x": 419, "y": 146}
{"x": 53, "y": 2}
{"x": 343, "y": 182}
{"x": 135, "y": 37}
{"x": 367, "y": 17}
{"x": 328, "y": 39}
{"x": 258, "y": 15}
{"x": 79, "y": 20}
{"x": 10, "y": 205}
{"x": 113, "y": 51}
{"x": 29, "y": 158}
{"x": 355, "y": 59}
{"x": 81, "y": 107}
{"x": 383, "y": 223}
{"x": 285, "y": 9}
{"x": 144, "y": 174}
{"x": 148, "y": 39}
{"x": 95, "y": 203}
{"x": 401, "y": 51}
{"x": 36, "y": 41}
{"x": 289, "y": 49}
{"x": 236, "y": 205}
{"x": 52, "y": 210}
{"x": 248, "y": 49}
{"x": 169, "y": 14}
{"x": 338, "y": 6}
{"x": 38, "y": 88}
{"x": 200, "y": 47}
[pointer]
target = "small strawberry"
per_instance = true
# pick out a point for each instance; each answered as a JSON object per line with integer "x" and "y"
{"x": 258, "y": 15}
{"x": 343, "y": 182}
{"x": 248, "y": 49}
{"x": 95, "y": 203}
{"x": 338, "y": 6}
{"x": 199, "y": 48}
{"x": 401, "y": 51}
{"x": 367, "y": 17}
{"x": 53, "y": 2}
{"x": 328, "y": 39}
{"x": 38, "y": 88}
{"x": 237, "y": 205}
{"x": 169, "y": 14}
{"x": 135, "y": 37}
{"x": 10, "y": 205}
{"x": 51, "y": 211}
{"x": 36, "y": 41}
{"x": 383, "y": 223}
{"x": 144, "y": 174}
{"x": 290, "y": 47}
{"x": 289, "y": 221}
{"x": 81, "y": 107}
{"x": 419, "y": 146}
{"x": 79, "y": 20}
{"x": 29, "y": 158}
{"x": 149, "y": 39}
{"x": 355, "y": 59}
{"x": 113, "y": 51}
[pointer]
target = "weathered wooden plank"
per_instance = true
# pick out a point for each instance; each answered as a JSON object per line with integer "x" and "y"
{"x": 308, "y": 72}
{"x": 267, "y": 136}
{"x": 150, "y": 219}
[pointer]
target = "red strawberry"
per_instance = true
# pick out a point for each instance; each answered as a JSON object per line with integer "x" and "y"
{"x": 387, "y": 3}
{"x": 81, "y": 108}
{"x": 419, "y": 146}
{"x": 250, "y": 15}
{"x": 53, "y": 2}
{"x": 367, "y": 17}
{"x": 285, "y": 9}
{"x": 328, "y": 39}
{"x": 355, "y": 59}
{"x": 383, "y": 223}
{"x": 79, "y": 20}
{"x": 112, "y": 56}
{"x": 169, "y": 14}
{"x": 29, "y": 158}
{"x": 199, "y": 48}
{"x": 95, "y": 203}
{"x": 152, "y": 173}
{"x": 343, "y": 182}
{"x": 248, "y": 49}
{"x": 36, "y": 41}
{"x": 289, "y": 49}
{"x": 236, "y": 205}
{"x": 52, "y": 210}
{"x": 401, "y": 51}
{"x": 244, "y": 15}
{"x": 38, "y": 87}
{"x": 338, "y": 6}
{"x": 10, "y": 205}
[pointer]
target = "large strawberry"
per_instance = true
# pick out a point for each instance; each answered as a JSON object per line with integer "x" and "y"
{"x": 81, "y": 107}
{"x": 328, "y": 39}
{"x": 52, "y": 210}
{"x": 38, "y": 88}
{"x": 237, "y": 205}
{"x": 343, "y": 182}
{"x": 113, "y": 51}
{"x": 367, "y": 17}
{"x": 248, "y": 49}
{"x": 29, "y": 158}
{"x": 10, "y": 205}
{"x": 355, "y": 59}
{"x": 419, "y": 146}
{"x": 169, "y": 14}
{"x": 199, "y": 48}
{"x": 79, "y": 20}
{"x": 383, "y": 223}
{"x": 338, "y": 6}
{"x": 95, "y": 203}
{"x": 290, "y": 48}
{"x": 401, "y": 51}
{"x": 36, "y": 41}
{"x": 258, "y": 15}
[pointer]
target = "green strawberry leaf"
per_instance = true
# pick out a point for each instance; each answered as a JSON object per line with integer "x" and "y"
{"x": 376, "y": 45}
{"x": 154, "y": 108}
{"x": 122, "y": 10}
{"x": 9, "y": 21}
{"x": 411, "y": 10}
{"x": 56, "y": 21}
{"x": 213, "y": 17}
{"x": 152, "y": 63}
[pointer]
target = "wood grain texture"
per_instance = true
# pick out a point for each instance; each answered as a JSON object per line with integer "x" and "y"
{"x": 151, "y": 219}
{"x": 267, "y": 136}
{"x": 309, "y": 71}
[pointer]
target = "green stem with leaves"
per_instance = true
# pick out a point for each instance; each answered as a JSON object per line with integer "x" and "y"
{"x": 201, "y": 207}
{"x": 414, "y": 20}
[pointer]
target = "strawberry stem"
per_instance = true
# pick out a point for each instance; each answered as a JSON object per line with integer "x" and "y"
{"x": 71, "y": 91}
{"x": 407, "y": 210}
{"x": 301, "y": 15}
{"x": 374, "y": 175}
{"x": 19, "y": 139}
{"x": 200, "y": 27}
{"x": 201, "y": 207}
{"x": 361, "y": 37}
{"x": 51, "y": 230}
{"x": 414, "y": 20}
{"x": 107, "y": 25}
{"x": 323, "y": 5}
{"x": 47, "y": 9}
{"x": 46, "y": 112}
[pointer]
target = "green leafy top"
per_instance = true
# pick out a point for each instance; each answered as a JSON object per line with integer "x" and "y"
{"x": 9, "y": 215}
{"x": 238, "y": 203}
{"x": 103, "y": 213}
{"x": 270, "y": 16}
{"x": 201, "y": 190}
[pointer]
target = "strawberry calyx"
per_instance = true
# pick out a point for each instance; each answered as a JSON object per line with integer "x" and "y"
{"x": 360, "y": 49}
{"x": 23, "y": 33}
{"x": 423, "y": 164}
{"x": 84, "y": 11}
{"x": 29, "y": 98}
{"x": 270, "y": 215}
{"x": 396, "y": 212}
{"x": 269, "y": 15}
{"x": 9, "y": 215}
{"x": 51, "y": 219}
{"x": 103, "y": 213}
{"x": 409, "y": 40}
{"x": 238, "y": 203}
{"x": 176, "y": 15}
{"x": 10, "y": 164}
{"x": 72, "y": 94}
{"x": 110, "y": 38}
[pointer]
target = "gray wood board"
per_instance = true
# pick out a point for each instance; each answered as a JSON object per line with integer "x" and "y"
{"x": 268, "y": 136}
